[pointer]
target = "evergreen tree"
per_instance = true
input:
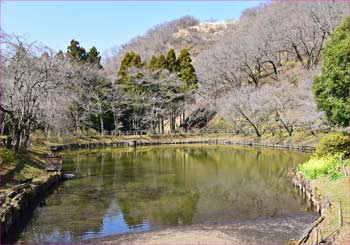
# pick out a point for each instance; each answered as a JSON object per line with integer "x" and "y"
{"x": 161, "y": 64}
{"x": 136, "y": 60}
{"x": 332, "y": 87}
{"x": 93, "y": 57}
{"x": 187, "y": 71}
{"x": 153, "y": 63}
{"x": 171, "y": 62}
{"x": 75, "y": 52}
{"x": 131, "y": 59}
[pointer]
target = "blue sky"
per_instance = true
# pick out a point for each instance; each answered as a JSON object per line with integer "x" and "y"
{"x": 104, "y": 24}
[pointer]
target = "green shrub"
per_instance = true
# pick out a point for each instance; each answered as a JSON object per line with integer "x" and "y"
{"x": 322, "y": 166}
{"x": 334, "y": 143}
{"x": 332, "y": 88}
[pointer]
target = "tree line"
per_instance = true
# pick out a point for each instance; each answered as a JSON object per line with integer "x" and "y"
{"x": 281, "y": 64}
{"x": 69, "y": 92}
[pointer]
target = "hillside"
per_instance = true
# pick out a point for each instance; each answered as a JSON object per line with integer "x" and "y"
{"x": 200, "y": 37}
{"x": 185, "y": 32}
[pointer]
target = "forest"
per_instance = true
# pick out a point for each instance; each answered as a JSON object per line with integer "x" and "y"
{"x": 271, "y": 69}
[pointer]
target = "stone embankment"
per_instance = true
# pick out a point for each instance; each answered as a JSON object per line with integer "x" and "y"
{"x": 18, "y": 205}
{"x": 150, "y": 143}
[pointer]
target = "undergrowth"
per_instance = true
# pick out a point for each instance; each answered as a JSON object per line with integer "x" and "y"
{"x": 329, "y": 165}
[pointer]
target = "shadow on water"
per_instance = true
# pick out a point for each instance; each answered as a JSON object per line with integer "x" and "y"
{"x": 125, "y": 190}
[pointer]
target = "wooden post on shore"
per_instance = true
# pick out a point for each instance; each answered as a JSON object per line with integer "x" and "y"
{"x": 342, "y": 165}
{"x": 340, "y": 211}
{"x": 316, "y": 237}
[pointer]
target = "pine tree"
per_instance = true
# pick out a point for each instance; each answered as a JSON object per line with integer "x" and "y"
{"x": 171, "y": 62}
{"x": 130, "y": 60}
{"x": 124, "y": 66}
{"x": 135, "y": 60}
{"x": 161, "y": 64}
{"x": 187, "y": 71}
{"x": 153, "y": 63}
{"x": 75, "y": 52}
{"x": 93, "y": 57}
{"x": 332, "y": 87}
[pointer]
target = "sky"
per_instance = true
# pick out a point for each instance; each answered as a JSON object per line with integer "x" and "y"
{"x": 104, "y": 24}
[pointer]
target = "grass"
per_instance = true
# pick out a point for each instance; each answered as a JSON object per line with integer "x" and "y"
{"x": 335, "y": 190}
{"x": 17, "y": 167}
{"x": 328, "y": 178}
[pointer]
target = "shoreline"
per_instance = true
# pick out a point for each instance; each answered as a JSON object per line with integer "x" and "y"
{"x": 262, "y": 230}
{"x": 134, "y": 143}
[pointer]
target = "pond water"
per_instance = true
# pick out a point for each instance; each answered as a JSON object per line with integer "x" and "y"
{"x": 131, "y": 190}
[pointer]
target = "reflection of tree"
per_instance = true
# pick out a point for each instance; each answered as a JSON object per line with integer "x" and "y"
{"x": 164, "y": 209}
{"x": 156, "y": 190}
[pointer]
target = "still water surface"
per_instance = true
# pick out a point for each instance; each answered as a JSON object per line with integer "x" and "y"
{"x": 125, "y": 190}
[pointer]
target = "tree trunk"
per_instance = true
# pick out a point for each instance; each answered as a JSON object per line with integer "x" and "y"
{"x": 287, "y": 128}
{"x": 251, "y": 123}
{"x": 298, "y": 54}
{"x": 158, "y": 125}
{"x": 183, "y": 116}
{"x": 174, "y": 122}
{"x": 26, "y": 140}
{"x": 162, "y": 126}
{"x": 9, "y": 142}
{"x": 17, "y": 138}
{"x": 2, "y": 122}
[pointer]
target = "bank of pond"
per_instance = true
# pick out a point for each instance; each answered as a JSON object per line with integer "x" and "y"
{"x": 120, "y": 191}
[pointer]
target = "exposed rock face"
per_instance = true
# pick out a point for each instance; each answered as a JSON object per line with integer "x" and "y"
{"x": 200, "y": 37}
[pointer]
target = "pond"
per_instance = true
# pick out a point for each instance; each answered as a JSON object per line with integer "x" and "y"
{"x": 118, "y": 191}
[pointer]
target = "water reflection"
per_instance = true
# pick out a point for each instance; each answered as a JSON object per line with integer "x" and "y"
{"x": 122, "y": 190}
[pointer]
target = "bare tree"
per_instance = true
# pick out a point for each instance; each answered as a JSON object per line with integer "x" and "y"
{"x": 28, "y": 76}
{"x": 249, "y": 104}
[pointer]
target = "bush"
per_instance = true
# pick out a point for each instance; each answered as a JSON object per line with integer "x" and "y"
{"x": 334, "y": 143}
{"x": 323, "y": 166}
{"x": 332, "y": 87}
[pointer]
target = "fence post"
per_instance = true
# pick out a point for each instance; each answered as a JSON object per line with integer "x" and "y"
{"x": 340, "y": 211}
{"x": 343, "y": 167}
{"x": 316, "y": 237}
